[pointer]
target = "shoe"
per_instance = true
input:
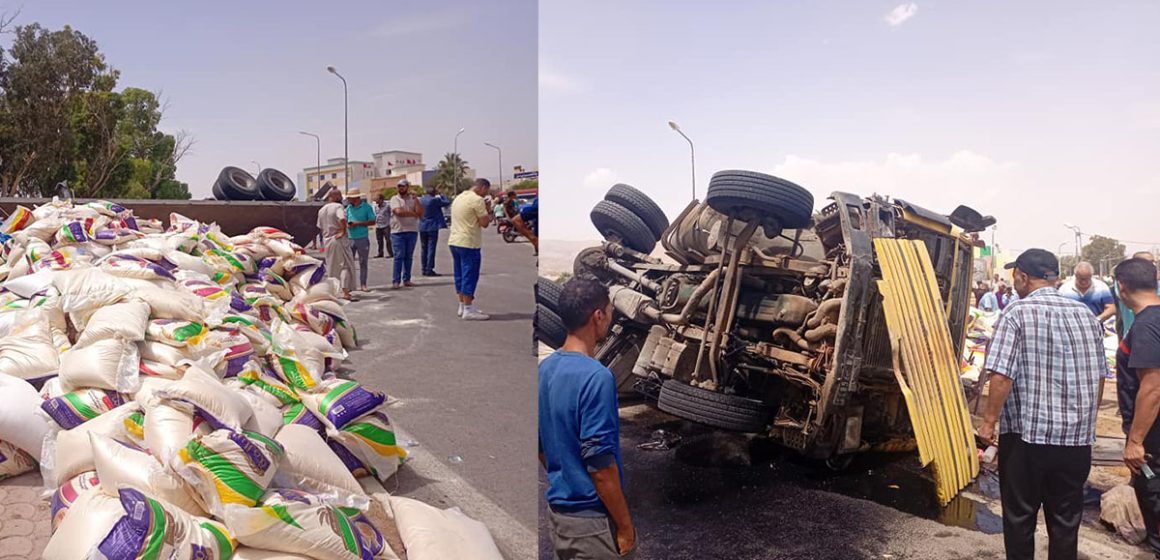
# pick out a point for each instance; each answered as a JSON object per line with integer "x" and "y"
{"x": 394, "y": 286}
{"x": 460, "y": 312}
{"x": 409, "y": 284}
{"x": 378, "y": 256}
{"x": 473, "y": 314}
{"x": 363, "y": 289}
{"x": 433, "y": 273}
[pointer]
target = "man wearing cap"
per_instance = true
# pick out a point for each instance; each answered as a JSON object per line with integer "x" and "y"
{"x": 332, "y": 226}
{"x": 360, "y": 215}
{"x": 433, "y": 221}
{"x": 1046, "y": 364}
{"x": 405, "y": 214}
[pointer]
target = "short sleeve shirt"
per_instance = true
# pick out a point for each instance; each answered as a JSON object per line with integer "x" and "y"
{"x": 1139, "y": 350}
{"x": 1052, "y": 349}
{"x": 403, "y": 224}
{"x": 330, "y": 217}
{"x": 1098, "y": 296}
{"x": 361, "y": 213}
{"x": 466, "y": 210}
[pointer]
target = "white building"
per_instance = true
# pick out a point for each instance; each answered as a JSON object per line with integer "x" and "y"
{"x": 332, "y": 172}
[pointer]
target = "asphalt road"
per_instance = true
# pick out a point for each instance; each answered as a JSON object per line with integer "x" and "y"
{"x": 723, "y": 496}
{"x": 466, "y": 389}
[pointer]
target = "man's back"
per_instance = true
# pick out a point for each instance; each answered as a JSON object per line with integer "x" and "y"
{"x": 466, "y": 210}
{"x": 1052, "y": 347}
{"x": 579, "y": 428}
{"x": 328, "y": 218}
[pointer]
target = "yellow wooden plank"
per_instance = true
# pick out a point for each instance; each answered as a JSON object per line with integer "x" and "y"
{"x": 928, "y": 371}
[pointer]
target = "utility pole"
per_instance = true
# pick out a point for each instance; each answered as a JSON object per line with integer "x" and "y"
{"x": 345, "y": 131}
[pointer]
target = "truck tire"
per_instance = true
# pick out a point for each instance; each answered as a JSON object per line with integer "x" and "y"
{"x": 217, "y": 192}
{"x": 549, "y": 328}
{"x": 616, "y": 222}
{"x": 236, "y": 183}
{"x": 548, "y": 293}
{"x": 733, "y": 192}
{"x": 640, "y": 204}
{"x": 728, "y": 412}
{"x": 275, "y": 185}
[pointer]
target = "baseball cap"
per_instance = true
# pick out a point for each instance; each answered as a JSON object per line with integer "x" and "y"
{"x": 404, "y": 183}
{"x": 1038, "y": 263}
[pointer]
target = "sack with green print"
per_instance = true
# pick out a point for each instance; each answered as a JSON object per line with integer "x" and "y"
{"x": 301, "y": 523}
{"x": 151, "y": 528}
{"x": 338, "y": 402}
{"x": 367, "y": 446}
{"x": 176, "y": 332}
{"x": 228, "y": 467}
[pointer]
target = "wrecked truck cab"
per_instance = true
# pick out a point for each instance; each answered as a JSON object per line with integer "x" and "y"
{"x": 758, "y": 315}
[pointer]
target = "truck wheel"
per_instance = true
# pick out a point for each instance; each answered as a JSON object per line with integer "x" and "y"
{"x": 237, "y": 184}
{"x": 640, "y": 204}
{"x": 275, "y": 185}
{"x": 614, "y": 221}
{"x": 217, "y": 192}
{"x": 734, "y": 192}
{"x": 548, "y": 293}
{"x": 549, "y": 328}
{"x": 729, "y": 412}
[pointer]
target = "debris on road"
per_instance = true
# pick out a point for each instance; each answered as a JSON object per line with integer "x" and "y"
{"x": 178, "y": 388}
{"x": 1120, "y": 510}
{"x": 661, "y": 440}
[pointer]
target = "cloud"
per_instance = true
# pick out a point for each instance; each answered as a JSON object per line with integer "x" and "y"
{"x": 420, "y": 24}
{"x": 601, "y": 178}
{"x": 901, "y": 13}
{"x": 552, "y": 80}
{"x": 964, "y": 178}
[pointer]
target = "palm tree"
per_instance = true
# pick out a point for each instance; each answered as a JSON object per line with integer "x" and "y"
{"x": 451, "y": 168}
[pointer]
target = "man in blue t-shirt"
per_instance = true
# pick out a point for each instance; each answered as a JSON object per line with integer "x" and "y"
{"x": 1089, "y": 291}
{"x": 1138, "y": 387}
{"x": 579, "y": 428}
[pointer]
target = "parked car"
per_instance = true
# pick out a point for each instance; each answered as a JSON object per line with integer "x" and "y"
{"x": 757, "y": 314}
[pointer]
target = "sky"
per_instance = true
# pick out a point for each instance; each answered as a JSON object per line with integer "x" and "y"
{"x": 245, "y": 77}
{"x": 1026, "y": 111}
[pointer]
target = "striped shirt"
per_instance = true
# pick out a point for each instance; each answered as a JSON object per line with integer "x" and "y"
{"x": 1052, "y": 348}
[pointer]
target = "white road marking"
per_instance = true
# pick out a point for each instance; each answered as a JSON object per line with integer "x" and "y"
{"x": 516, "y": 539}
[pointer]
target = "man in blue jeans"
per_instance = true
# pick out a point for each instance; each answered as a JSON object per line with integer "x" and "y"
{"x": 359, "y": 215}
{"x": 429, "y": 226}
{"x": 405, "y": 214}
{"x": 579, "y": 427}
{"x": 469, "y": 215}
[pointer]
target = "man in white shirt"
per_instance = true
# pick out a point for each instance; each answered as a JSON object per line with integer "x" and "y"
{"x": 335, "y": 243}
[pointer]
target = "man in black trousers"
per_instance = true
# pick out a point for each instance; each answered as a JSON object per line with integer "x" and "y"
{"x": 1138, "y": 387}
{"x": 1047, "y": 355}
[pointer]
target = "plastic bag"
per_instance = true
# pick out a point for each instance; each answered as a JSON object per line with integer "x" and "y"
{"x": 119, "y": 466}
{"x": 89, "y": 519}
{"x": 110, "y": 363}
{"x": 430, "y": 533}
{"x": 74, "y": 408}
{"x": 308, "y": 464}
{"x": 126, "y": 320}
{"x": 201, "y": 393}
{"x": 70, "y": 452}
{"x": 20, "y": 424}
{"x": 172, "y": 304}
{"x": 29, "y": 351}
{"x": 128, "y": 266}
{"x": 153, "y": 528}
{"x": 297, "y": 522}
{"x": 369, "y": 442}
{"x": 176, "y": 332}
{"x": 88, "y": 288}
{"x": 228, "y": 467}
{"x": 338, "y": 402}
{"x": 67, "y": 494}
{"x": 167, "y": 430}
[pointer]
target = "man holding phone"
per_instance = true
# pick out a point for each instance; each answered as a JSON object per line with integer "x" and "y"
{"x": 1138, "y": 387}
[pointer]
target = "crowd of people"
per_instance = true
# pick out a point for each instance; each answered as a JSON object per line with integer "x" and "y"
{"x": 402, "y": 223}
{"x": 1046, "y": 369}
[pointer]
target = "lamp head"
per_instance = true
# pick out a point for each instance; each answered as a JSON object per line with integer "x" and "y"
{"x": 673, "y": 125}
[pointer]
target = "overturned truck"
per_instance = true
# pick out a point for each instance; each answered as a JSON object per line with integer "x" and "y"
{"x": 832, "y": 333}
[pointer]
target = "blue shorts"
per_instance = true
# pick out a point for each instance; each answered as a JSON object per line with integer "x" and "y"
{"x": 466, "y": 265}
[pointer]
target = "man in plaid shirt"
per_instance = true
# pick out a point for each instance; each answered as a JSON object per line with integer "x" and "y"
{"x": 1046, "y": 361}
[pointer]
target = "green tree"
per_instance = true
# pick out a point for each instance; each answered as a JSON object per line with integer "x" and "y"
{"x": 62, "y": 120}
{"x": 1102, "y": 252}
{"x": 450, "y": 168}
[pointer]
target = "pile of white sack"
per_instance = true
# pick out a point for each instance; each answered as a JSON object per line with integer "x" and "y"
{"x": 177, "y": 388}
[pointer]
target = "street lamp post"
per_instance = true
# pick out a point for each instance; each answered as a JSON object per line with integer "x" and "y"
{"x": 455, "y": 172}
{"x": 1060, "y": 250}
{"x": 318, "y": 156}
{"x": 497, "y": 149}
{"x": 345, "y": 132}
{"x": 692, "y": 155}
{"x": 1078, "y": 239}
{"x": 259, "y": 167}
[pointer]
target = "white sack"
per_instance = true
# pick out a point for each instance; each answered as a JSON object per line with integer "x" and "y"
{"x": 309, "y": 464}
{"x": 110, "y": 363}
{"x": 430, "y": 533}
{"x": 95, "y": 515}
{"x": 119, "y": 466}
{"x": 20, "y": 423}
{"x": 126, "y": 320}
{"x": 89, "y": 288}
{"x": 202, "y": 393}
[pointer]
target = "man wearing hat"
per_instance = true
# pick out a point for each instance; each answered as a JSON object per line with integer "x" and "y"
{"x": 1046, "y": 362}
{"x": 360, "y": 215}
{"x": 406, "y": 211}
{"x": 332, "y": 225}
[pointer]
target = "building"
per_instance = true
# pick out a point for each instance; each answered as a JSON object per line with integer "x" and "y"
{"x": 332, "y": 172}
